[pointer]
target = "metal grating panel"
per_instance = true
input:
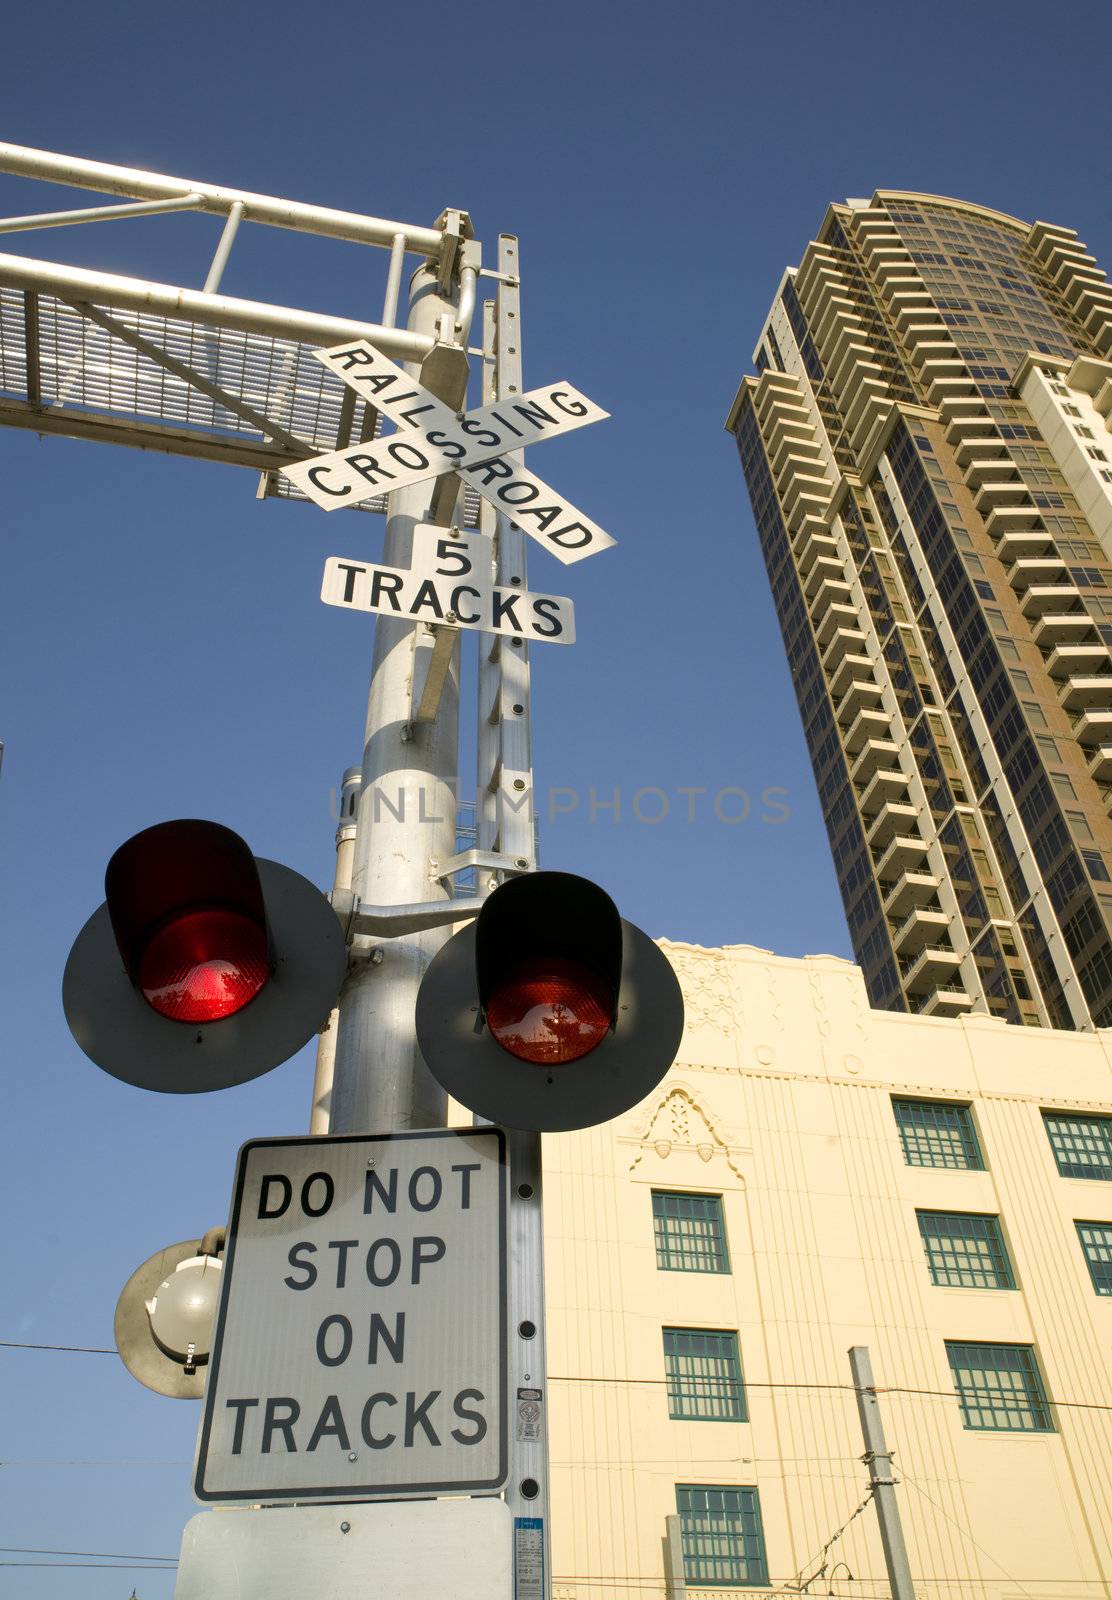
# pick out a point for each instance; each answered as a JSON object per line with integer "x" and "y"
{"x": 84, "y": 380}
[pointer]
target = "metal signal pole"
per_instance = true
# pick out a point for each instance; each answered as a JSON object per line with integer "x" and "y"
{"x": 406, "y": 816}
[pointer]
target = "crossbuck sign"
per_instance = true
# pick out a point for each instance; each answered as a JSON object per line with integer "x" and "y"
{"x": 433, "y": 439}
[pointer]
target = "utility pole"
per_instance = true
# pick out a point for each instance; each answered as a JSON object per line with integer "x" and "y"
{"x": 878, "y": 1459}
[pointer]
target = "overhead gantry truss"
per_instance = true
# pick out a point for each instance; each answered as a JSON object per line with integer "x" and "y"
{"x": 192, "y": 372}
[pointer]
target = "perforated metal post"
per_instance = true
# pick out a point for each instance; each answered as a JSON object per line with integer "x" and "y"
{"x": 506, "y": 824}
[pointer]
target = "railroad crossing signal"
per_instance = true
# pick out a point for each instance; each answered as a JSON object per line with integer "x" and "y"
{"x": 205, "y": 966}
{"x": 433, "y": 439}
{"x": 549, "y": 1012}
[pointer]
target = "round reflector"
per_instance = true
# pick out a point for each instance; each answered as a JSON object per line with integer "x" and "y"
{"x": 206, "y": 964}
{"x": 549, "y": 1010}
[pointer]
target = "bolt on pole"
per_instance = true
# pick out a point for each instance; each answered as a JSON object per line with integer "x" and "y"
{"x": 878, "y": 1459}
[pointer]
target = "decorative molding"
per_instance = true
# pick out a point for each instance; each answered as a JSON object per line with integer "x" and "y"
{"x": 708, "y": 996}
{"x": 681, "y": 1122}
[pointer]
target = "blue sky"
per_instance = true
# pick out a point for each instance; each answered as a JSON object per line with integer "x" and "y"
{"x": 165, "y": 652}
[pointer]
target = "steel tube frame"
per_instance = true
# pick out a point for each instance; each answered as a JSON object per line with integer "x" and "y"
{"x": 50, "y": 167}
{"x": 224, "y": 248}
{"x": 216, "y": 310}
{"x": 64, "y": 219}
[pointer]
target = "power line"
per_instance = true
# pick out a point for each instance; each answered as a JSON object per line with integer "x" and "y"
{"x": 76, "y": 1349}
{"x": 845, "y": 1388}
{"x": 106, "y": 1555}
{"x": 963, "y": 1531}
{"x": 801, "y": 1587}
{"x": 554, "y": 1377}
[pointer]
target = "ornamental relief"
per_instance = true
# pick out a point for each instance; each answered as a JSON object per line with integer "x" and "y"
{"x": 709, "y": 1001}
{"x": 681, "y": 1122}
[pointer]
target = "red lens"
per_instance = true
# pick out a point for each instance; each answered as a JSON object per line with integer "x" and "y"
{"x": 550, "y": 1011}
{"x": 206, "y": 964}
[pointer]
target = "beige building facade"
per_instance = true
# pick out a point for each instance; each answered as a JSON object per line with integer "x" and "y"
{"x": 815, "y": 1174}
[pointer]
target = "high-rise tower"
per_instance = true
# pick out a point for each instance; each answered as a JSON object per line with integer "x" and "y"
{"x": 928, "y": 450}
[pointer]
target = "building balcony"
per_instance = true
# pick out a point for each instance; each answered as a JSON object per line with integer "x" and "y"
{"x": 931, "y": 969}
{"x": 965, "y": 409}
{"x": 838, "y": 311}
{"x": 1044, "y": 598}
{"x": 1100, "y": 763}
{"x": 849, "y": 670}
{"x": 823, "y": 569}
{"x": 856, "y": 365}
{"x": 1093, "y": 729}
{"x": 1014, "y": 492}
{"x": 1019, "y": 544}
{"x": 1093, "y": 693}
{"x": 988, "y": 469}
{"x": 1032, "y": 570}
{"x": 1078, "y": 660}
{"x": 946, "y": 1002}
{"x": 970, "y": 421}
{"x": 862, "y": 695}
{"x": 831, "y": 593}
{"x": 876, "y": 754}
{"x": 894, "y": 817}
{"x": 911, "y": 889}
{"x": 1074, "y": 627}
{"x": 1067, "y": 268}
{"x": 907, "y": 299}
{"x": 865, "y": 726}
{"x": 1013, "y": 519}
{"x": 797, "y": 458}
{"x": 890, "y": 261}
{"x": 794, "y": 438}
{"x": 847, "y": 640}
{"x": 884, "y": 785}
{"x": 834, "y": 617}
{"x": 808, "y": 502}
{"x": 904, "y": 854}
{"x": 1050, "y": 242}
{"x": 929, "y": 337}
{"x": 951, "y": 386}
{"x": 814, "y": 547}
{"x": 922, "y": 927}
{"x": 869, "y": 394}
{"x": 806, "y": 490}
{"x": 1092, "y": 298}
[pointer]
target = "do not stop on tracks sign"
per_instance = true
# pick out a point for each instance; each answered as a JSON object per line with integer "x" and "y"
{"x": 360, "y": 1345}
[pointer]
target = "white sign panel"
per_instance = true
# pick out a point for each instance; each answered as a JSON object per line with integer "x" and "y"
{"x": 449, "y": 582}
{"x": 360, "y": 1346}
{"x": 404, "y": 1549}
{"x": 433, "y": 439}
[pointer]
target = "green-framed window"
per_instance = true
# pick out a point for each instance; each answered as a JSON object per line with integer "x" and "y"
{"x": 965, "y": 1250}
{"x": 704, "y": 1376}
{"x": 690, "y": 1232}
{"x": 723, "y": 1540}
{"x": 1082, "y": 1146}
{"x": 1096, "y": 1244}
{"x": 937, "y": 1133}
{"x": 999, "y": 1387}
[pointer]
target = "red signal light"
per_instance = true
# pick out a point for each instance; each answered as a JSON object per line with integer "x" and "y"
{"x": 549, "y": 1010}
{"x": 204, "y": 964}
